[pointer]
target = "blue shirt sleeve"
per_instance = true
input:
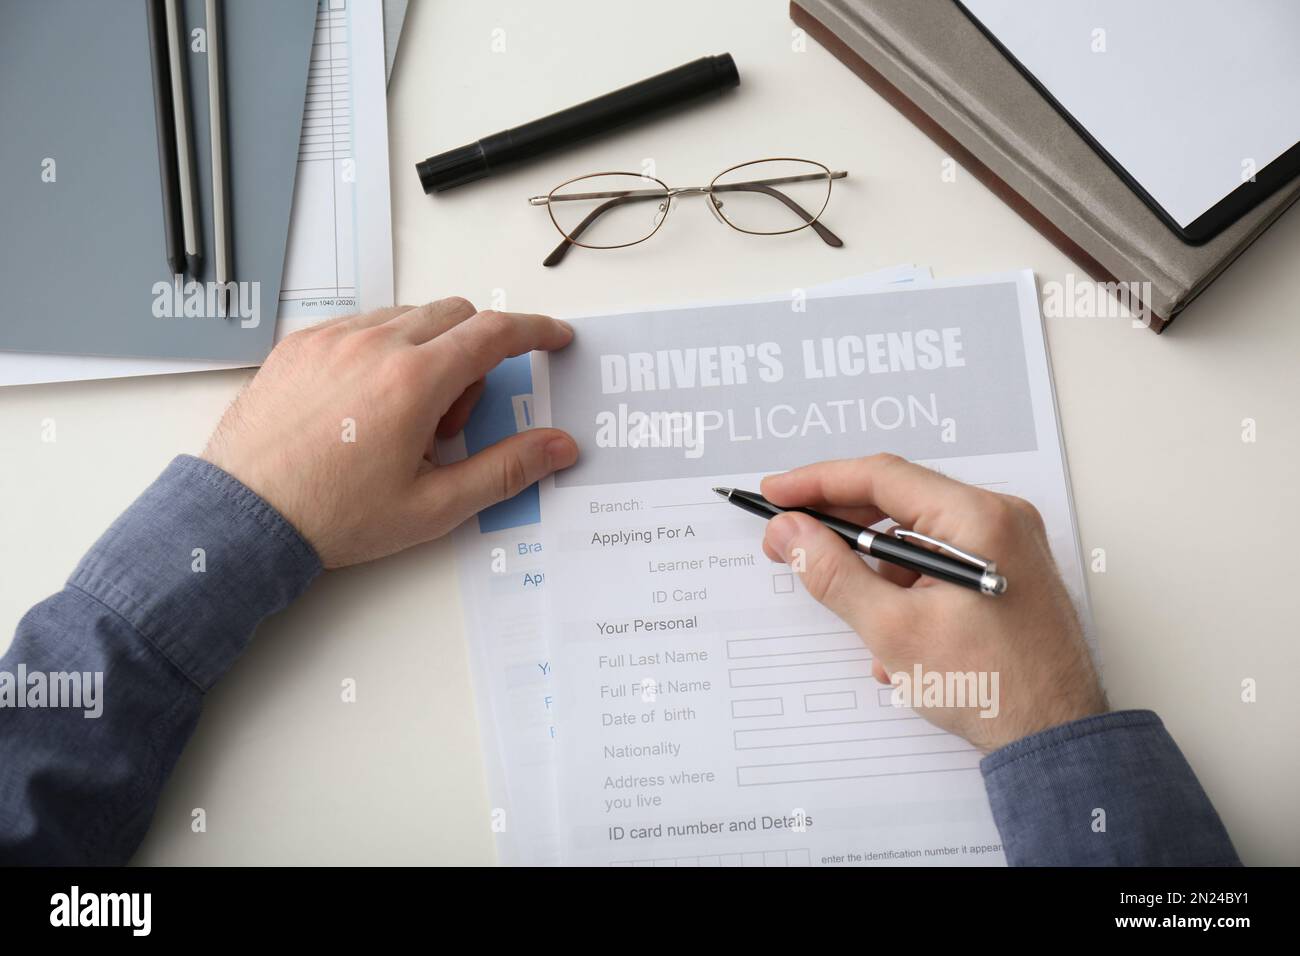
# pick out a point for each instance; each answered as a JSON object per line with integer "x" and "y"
{"x": 1110, "y": 790}
{"x": 156, "y": 612}
{"x": 169, "y": 597}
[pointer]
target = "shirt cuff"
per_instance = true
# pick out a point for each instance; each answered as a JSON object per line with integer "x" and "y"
{"x": 195, "y": 564}
{"x": 1113, "y": 789}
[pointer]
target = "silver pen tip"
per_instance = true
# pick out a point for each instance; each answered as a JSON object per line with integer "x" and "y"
{"x": 724, "y": 492}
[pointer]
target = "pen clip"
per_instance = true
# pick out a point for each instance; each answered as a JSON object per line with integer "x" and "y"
{"x": 967, "y": 557}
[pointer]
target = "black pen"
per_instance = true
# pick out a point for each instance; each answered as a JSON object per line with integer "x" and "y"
{"x": 954, "y": 565}
{"x": 165, "y": 124}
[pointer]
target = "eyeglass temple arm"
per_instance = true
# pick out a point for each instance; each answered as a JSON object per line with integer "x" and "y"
{"x": 827, "y": 236}
{"x": 560, "y": 251}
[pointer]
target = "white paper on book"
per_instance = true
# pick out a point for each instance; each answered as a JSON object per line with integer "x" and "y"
{"x": 1213, "y": 85}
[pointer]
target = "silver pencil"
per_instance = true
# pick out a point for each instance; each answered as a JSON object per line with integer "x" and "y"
{"x": 187, "y": 171}
{"x": 221, "y": 236}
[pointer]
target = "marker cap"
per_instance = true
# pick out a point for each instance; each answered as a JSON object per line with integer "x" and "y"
{"x": 453, "y": 168}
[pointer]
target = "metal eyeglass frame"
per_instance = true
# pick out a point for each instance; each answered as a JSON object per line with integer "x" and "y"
{"x": 619, "y": 196}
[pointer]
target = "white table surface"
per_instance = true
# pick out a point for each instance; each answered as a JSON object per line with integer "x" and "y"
{"x": 1199, "y": 528}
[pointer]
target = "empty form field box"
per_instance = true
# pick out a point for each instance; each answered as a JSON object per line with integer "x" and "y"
{"x": 956, "y": 759}
{"x": 848, "y": 665}
{"x": 758, "y": 707}
{"x": 830, "y": 702}
{"x": 800, "y": 857}
{"x": 848, "y": 731}
{"x": 742, "y": 647}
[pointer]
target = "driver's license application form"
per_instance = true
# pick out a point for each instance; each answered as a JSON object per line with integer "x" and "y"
{"x": 710, "y": 712}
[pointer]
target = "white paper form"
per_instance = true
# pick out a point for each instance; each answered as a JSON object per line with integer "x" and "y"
{"x": 339, "y": 257}
{"x": 339, "y": 254}
{"x": 503, "y": 573}
{"x": 712, "y": 712}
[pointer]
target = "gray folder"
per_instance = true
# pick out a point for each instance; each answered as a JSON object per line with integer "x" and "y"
{"x": 82, "y": 249}
{"x": 931, "y": 62}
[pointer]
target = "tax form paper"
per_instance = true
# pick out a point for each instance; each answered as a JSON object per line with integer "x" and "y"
{"x": 711, "y": 713}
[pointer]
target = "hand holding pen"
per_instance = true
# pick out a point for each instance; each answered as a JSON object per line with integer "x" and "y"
{"x": 1030, "y": 636}
{"x": 899, "y": 546}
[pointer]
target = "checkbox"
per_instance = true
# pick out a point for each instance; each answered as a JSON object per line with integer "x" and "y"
{"x": 783, "y": 583}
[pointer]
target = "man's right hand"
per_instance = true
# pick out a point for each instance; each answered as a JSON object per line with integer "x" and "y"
{"x": 1030, "y": 636}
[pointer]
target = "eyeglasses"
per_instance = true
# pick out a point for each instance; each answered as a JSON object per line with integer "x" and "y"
{"x": 613, "y": 210}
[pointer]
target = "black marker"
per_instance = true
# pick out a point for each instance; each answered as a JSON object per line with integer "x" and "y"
{"x": 955, "y": 566}
{"x": 165, "y": 124}
{"x": 638, "y": 101}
